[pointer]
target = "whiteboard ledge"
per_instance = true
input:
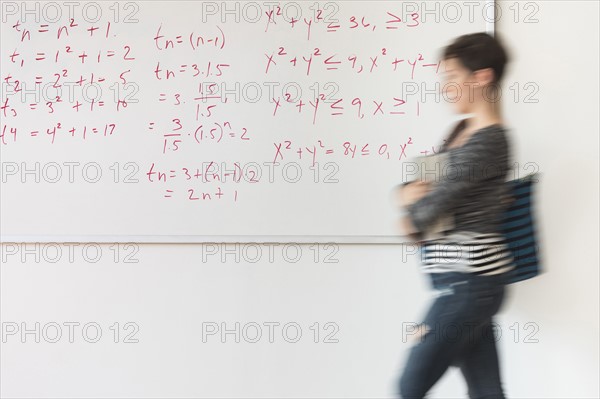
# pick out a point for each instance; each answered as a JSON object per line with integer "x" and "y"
{"x": 197, "y": 239}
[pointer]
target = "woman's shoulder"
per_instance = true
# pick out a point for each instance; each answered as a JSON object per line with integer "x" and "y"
{"x": 488, "y": 149}
{"x": 493, "y": 139}
{"x": 495, "y": 131}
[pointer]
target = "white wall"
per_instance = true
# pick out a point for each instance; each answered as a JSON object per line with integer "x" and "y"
{"x": 369, "y": 293}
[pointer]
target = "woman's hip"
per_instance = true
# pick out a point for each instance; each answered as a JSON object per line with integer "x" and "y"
{"x": 465, "y": 298}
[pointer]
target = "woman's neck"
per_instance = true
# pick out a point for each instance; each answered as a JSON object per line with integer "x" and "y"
{"x": 485, "y": 116}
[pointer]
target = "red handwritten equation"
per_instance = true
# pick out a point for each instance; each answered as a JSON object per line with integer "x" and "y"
{"x": 167, "y": 90}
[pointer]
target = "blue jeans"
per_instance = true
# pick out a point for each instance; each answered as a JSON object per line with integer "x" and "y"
{"x": 459, "y": 332}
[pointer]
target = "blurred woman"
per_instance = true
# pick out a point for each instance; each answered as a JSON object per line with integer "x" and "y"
{"x": 467, "y": 265}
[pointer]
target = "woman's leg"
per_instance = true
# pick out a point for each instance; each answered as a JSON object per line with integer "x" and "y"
{"x": 479, "y": 362}
{"x": 438, "y": 346}
{"x": 426, "y": 364}
{"x": 480, "y": 365}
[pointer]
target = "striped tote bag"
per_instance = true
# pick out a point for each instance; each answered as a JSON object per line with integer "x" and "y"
{"x": 518, "y": 226}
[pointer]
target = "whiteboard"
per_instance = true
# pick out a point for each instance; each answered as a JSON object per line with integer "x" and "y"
{"x": 190, "y": 121}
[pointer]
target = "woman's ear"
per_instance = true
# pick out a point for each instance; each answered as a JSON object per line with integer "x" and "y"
{"x": 484, "y": 76}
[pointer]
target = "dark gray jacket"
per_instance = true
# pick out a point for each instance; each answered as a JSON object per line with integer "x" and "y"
{"x": 475, "y": 190}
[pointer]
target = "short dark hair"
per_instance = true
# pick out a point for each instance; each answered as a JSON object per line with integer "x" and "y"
{"x": 478, "y": 51}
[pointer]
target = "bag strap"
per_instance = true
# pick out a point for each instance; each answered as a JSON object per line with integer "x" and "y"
{"x": 457, "y": 129}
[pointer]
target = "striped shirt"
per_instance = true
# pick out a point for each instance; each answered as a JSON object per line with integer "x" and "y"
{"x": 467, "y": 252}
{"x": 472, "y": 192}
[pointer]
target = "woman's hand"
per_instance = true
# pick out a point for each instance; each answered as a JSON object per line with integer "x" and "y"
{"x": 406, "y": 228}
{"x": 412, "y": 192}
{"x": 406, "y": 195}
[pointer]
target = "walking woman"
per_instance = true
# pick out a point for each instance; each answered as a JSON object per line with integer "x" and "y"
{"x": 467, "y": 264}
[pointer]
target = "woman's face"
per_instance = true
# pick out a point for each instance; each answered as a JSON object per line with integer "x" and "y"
{"x": 459, "y": 85}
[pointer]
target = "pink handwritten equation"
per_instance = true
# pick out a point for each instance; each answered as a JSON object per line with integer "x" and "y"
{"x": 286, "y": 149}
{"x": 324, "y": 18}
{"x": 339, "y": 107}
{"x": 213, "y": 132}
{"x": 160, "y": 89}
{"x": 331, "y": 61}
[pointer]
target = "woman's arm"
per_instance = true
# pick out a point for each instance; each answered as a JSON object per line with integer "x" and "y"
{"x": 407, "y": 194}
{"x": 483, "y": 157}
